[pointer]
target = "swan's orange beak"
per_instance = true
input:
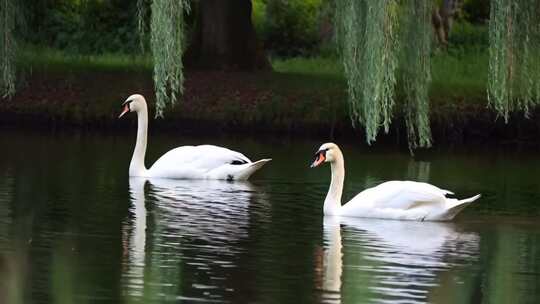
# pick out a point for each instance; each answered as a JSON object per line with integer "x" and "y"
{"x": 124, "y": 111}
{"x": 319, "y": 159}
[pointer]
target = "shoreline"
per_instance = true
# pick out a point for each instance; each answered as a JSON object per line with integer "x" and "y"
{"x": 268, "y": 103}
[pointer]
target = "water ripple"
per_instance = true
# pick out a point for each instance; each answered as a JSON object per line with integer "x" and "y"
{"x": 401, "y": 259}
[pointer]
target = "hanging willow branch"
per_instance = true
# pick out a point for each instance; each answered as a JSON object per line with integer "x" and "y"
{"x": 142, "y": 17}
{"x": 8, "y": 48}
{"x": 417, "y": 39}
{"x": 167, "y": 43}
{"x": 367, "y": 35}
{"x": 514, "y": 58}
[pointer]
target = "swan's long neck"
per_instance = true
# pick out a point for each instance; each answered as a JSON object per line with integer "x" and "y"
{"x": 136, "y": 167}
{"x": 332, "y": 203}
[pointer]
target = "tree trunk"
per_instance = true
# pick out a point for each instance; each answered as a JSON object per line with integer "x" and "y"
{"x": 442, "y": 19}
{"x": 224, "y": 37}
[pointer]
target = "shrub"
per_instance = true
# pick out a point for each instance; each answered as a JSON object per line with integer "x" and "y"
{"x": 467, "y": 35}
{"x": 84, "y": 27}
{"x": 290, "y": 27}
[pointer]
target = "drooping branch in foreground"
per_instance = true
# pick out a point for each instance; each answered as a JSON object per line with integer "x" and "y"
{"x": 8, "y": 48}
{"x": 369, "y": 35}
{"x": 416, "y": 67}
{"x": 167, "y": 43}
{"x": 514, "y": 56}
{"x": 366, "y": 31}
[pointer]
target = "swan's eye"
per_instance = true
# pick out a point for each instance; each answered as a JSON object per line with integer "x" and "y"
{"x": 127, "y": 104}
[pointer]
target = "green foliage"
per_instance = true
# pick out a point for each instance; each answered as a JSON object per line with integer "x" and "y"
{"x": 83, "y": 27}
{"x": 476, "y": 11}
{"x": 49, "y": 59}
{"x": 167, "y": 43}
{"x": 514, "y": 65}
{"x": 258, "y": 15}
{"x": 500, "y": 54}
{"x": 298, "y": 28}
{"x": 455, "y": 75}
{"x": 460, "y": 73}
{"x": 368, "y": 33}
{"x": 8, "y": 47}
{"x": 290, "y": 27}
{"x": 466, "y": 35}
{"x": 142, "y": 17}
{"x": 416, "y": 67}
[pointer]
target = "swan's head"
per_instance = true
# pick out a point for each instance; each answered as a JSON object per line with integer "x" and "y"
{"x": 133, "y": 103}
{"x": 327, "y": 153}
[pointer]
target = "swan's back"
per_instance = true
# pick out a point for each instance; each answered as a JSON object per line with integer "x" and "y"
{"x": 196, "y": 162}
{"x": 404, "y": 200}
{"x": 400, "y": 195}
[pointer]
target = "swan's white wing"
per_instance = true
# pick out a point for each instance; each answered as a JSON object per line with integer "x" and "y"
{"x": 402, "y": 195}
{"x": 195, "y": 161}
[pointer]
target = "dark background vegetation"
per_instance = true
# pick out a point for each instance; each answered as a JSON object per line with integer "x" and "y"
{"x": 80, "y": 59}
{"x": 287, "y": 28}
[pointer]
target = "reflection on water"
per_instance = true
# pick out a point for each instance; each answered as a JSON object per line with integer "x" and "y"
{"x": 208, "y": 217}
{"x": 9, "y": 263}
{"x": 392, "y": 261}
{"x": 6, "y": 192}
{"x": 134, "y": 240}
{"x": 332, "y": 262}
{"x": 416, "y": 171}
{"x": 419, "y": 171}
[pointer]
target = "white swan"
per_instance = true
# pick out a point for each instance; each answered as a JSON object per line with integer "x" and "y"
{"x": 186, "y": 162}
{"x": 401, "y": 200}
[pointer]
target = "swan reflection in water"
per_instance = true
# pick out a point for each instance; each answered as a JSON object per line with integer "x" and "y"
{"x": 191, "y": 226}
{"x": 390, "y": 261}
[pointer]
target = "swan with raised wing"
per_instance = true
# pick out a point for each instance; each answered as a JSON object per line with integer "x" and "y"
{"x": 401, "y": 200}
{"x": 186, "y": 162}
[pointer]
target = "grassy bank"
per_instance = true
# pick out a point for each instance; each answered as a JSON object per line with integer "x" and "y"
{"x": 51, "y": 60}
{"x": 304, "y": 96}
{"x": 453, "y": 74}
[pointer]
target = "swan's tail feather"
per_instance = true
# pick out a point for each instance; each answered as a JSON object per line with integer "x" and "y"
{"x": 470, "y": 199}
{"x": 251, "y": 168}
{"x": 460, "y": 205}
{"x": 447, "y": 192}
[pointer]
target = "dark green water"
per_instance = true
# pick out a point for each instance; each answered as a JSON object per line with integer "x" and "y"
{"x": 75, "y": 229}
